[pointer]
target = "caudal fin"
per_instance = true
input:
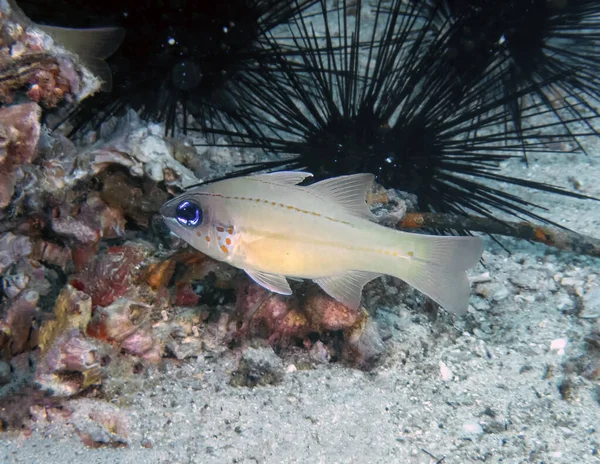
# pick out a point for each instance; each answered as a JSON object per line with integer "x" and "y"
{"x": 437, "y": 267}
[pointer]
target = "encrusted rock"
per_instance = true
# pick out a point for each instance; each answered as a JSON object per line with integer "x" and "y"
{"x": 33, "y": 64}
{"x": 19, "y": 135}
{"x": 258, "y": 366}
{"x": 99, "y": 423}
{"x": 68, "y": 361}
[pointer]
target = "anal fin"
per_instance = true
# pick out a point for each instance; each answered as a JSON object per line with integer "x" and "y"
{"x": 273, "y": 282}
{"x": 346, "y": 288}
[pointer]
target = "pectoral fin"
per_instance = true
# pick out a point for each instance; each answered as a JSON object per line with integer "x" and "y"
{"x": 273, "y": 282}
{"x": 346, "y": 288}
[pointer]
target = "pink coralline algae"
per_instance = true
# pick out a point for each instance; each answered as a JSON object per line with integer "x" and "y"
{"x": 110, "y": 275}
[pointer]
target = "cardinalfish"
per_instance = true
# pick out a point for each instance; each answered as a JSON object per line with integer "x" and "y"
{"x": 273, "y": 228}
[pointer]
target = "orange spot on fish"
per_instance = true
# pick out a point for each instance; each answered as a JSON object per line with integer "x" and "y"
{"x": 290, "y": 207}
{"x": 207, "y": 238}
{"x": 258, "y": 200}
{"x": 242, "y": 198}
{"x": 387, "y": 252}
{"x": 394, "y": 254}
{"x": 379, "y": 251}
{"x": 228, "y": 241}
{"x": 198, "y": 234}
{"x": 230, "y": 230}
{"x": 281, "y": 204}
{"x": 273, "y": 203}
{"x": 224, "y": 249}
{"x": 220, "y": 229}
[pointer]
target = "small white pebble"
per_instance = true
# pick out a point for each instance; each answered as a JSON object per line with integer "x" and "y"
{"x": 485, "y": 277}
{"x": 472, "y": 428}
{"x": 445, "y": 372}
{"x": 559, "y": 346}
{"x": 571, "y": 282}
{"x": 291, "y": 368}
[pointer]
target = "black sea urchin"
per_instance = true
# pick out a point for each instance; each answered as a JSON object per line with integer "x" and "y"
{"x": 519, "y": 44}
{"x": 385, "y": 101}
{"x": 188, "y": 54}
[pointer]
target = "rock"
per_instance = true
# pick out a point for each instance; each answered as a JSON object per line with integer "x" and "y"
{"x": 258, "y": 366}
{"x": 32, "y": 64}
{"x": 12, "y": 249}
{"x": 99, "y": 423}
{"x": 325, "y": 313}
{"x": 16, "y": 324}
{"x": 19, "y": 135}
{"x": 111, "y": 275}
{"x": 364, "y": 345}
{"x": 5, "y": 373}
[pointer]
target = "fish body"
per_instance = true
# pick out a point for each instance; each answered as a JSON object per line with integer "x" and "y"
{"x": 273, "y": 228}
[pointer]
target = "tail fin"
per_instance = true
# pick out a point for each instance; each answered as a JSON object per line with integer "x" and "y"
{"x": 437, "y": 267}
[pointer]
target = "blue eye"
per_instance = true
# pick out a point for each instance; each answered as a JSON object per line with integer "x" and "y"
{"x": 189, "y": 214}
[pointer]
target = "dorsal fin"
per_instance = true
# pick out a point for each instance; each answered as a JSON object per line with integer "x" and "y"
{"x": 283, "y": 177}
{"x": 97, "y": 42}
{"x": 349, "y": 192}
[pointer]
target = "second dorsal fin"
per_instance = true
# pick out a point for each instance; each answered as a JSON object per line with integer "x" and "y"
{"x": 349, "y": 192}
{"x": 283, "y": 177}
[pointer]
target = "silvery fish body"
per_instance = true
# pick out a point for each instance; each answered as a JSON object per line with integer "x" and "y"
{"x": 273, "y": 228}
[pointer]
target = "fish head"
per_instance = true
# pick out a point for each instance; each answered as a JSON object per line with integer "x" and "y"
{"x": 190, "y": 217}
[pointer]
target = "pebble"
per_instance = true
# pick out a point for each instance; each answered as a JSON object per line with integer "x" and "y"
{"x": 525, "y": 281}
{"x": 559, "y": 345}
{"x": 445, "y": 372}
{"x": 472, "y": 428}
{"x": 591, "y": 304}
{"x": 571, "y": 282}
{"x": 500, "y": 294}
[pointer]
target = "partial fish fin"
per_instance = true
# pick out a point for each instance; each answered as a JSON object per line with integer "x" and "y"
{"x": 100, "y": 69}
{"x": 283, "y": 177}
{"x": 436, "y": 266}
{"x": 346, "y": 288}
{"x": 349, "y": 192}
{"x": 98, "y": 42}
{"x": 92, "y": 46}
{"x": 273, "y": 282}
